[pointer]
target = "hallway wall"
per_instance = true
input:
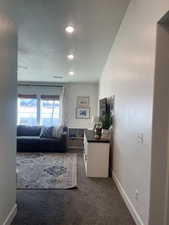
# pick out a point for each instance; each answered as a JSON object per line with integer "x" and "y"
{"x": 8, "y": 68}
{"x": 129, "y": 75}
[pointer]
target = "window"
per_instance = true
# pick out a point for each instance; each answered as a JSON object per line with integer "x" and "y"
{"x": 49, "y": 110}
{"x": 27, "y": 110}
{"x": 43, "y": 110}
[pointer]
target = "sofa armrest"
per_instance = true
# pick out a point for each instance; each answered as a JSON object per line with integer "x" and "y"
{"x": 64, "y": 140}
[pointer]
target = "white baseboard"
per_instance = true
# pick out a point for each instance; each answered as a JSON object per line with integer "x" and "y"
{"x": 127, "y": 201}
{"x": 11, "y": 215}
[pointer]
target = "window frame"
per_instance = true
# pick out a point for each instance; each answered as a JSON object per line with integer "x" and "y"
{"x": 27, "y": 96}
{"x": 49, "y": 98}
{"x": 39, "y": 97}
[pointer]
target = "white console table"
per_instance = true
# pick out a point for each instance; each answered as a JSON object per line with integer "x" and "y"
{"x": 96, "y": 155}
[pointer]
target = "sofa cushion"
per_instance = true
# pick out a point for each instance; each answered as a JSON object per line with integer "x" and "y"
{"x": 49, "y": 140}
{"x": 28, "y": 139}
{"x": 51, "y": 145}
{"x": 28, "y": 130}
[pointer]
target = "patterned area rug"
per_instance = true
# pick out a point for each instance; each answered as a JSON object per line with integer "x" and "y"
{"x": 46, "y": 171}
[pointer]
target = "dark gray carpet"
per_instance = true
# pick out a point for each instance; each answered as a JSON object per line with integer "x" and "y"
{"x": 95, "y": 202}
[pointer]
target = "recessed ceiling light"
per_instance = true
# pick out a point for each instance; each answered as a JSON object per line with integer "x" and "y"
{"x": 70, "y": 56}
{"x": 71, "y": 73}
{"x": 69, "y": 29}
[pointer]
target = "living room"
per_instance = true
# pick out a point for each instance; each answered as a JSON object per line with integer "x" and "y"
{"x": 69, "y": 69}
{"x": 57, "y": 103}
{"x": 64, "y": 108}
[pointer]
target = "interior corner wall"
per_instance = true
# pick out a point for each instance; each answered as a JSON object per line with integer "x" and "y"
{"x": 71, "y": 92}
{"x": 129, "y": 75}
{"x": 8, "y": 68}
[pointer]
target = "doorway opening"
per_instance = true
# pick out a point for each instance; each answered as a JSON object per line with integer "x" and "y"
{"x": 160, "y": 130}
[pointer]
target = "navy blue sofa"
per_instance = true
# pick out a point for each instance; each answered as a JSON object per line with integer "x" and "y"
{"x": 29, "y": 140}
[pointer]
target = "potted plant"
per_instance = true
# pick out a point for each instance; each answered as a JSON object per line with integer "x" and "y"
{"x": 106, "y": 123}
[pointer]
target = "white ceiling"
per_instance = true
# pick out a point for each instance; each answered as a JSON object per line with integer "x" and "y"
{"x": 43, "y": 43}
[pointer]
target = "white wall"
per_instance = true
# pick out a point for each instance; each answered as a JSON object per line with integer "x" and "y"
{"x": 8, "y": 68}
{"x": 71, "y": 92}
{"x": 129, "y": 74}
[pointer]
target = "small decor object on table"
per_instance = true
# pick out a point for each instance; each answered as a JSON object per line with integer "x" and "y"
{"x": 82, "y": 101}
{"x": 98, "y": 130}
{"x": 83, "y": 113}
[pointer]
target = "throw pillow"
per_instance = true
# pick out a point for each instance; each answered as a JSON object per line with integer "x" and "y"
{"x": 57, "y": 131}
{"x": 46, "y": 132}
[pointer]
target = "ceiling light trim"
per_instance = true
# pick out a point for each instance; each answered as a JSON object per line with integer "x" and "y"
{"x": 69, "y": 29}
{"x": 71, "y": 73}
{"x": 70, "y": 56}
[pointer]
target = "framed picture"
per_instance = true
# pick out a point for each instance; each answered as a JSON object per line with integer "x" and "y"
{"x": 82, "y": 113}
{"x": 82, "y": 101}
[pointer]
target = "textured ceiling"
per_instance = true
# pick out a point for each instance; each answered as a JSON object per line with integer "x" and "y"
{"x": 43, "y": 44}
